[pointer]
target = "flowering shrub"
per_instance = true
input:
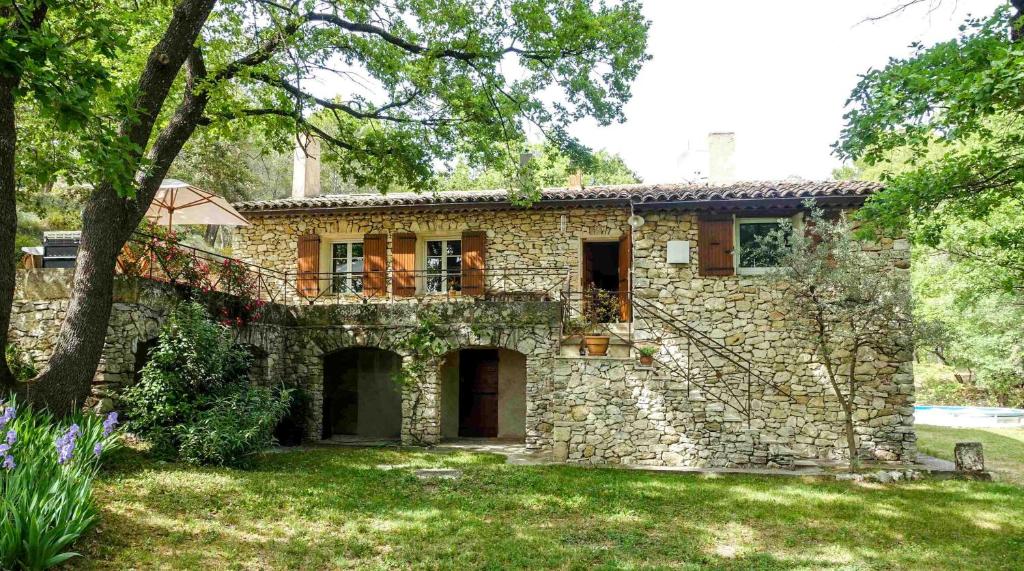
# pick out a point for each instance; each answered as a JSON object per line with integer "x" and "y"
{"x": 46, "y": 475}
{"x": 236, "y": 280}
{"x": 194, "y": 401}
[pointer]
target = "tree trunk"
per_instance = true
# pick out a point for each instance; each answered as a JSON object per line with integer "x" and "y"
{"x": 108, "y": 219}
{"x": 8, "y": 221}
{"x": 8, "y": 184}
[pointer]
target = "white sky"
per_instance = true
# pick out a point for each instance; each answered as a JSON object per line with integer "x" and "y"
{"x": 776, "y": 73}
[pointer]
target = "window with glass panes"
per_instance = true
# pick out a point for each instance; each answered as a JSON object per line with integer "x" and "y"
{"x": 750, "y": 231}
{"x": 443, "y": 266}
{"x": 347, "y": 267}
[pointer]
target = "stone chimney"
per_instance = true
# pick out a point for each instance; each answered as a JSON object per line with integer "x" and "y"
{"x": 721, "y": 151}
{"x": 575, "y": 181}
{"x": 306, "y": 168}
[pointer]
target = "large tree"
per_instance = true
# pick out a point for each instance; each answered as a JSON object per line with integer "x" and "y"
{"x": 391, "y": 87}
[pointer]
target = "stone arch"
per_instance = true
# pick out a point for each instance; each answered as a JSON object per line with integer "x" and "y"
{"x": 360, "y": 395}
{"x": 483, "y": 393}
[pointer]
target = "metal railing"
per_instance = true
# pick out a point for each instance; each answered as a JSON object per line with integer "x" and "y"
{"x": 162, "y": 259}
{"x": 165, "y": 260}
{"x": 497, "y": 284}
{"x": 717, "y": 370}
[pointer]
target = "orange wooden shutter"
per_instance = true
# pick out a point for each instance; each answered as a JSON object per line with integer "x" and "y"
{"x": 309, "y": 265}
{"x": 405, "y": 265}
{"x": 375, "y": 264}
{"x": 625, "y": 263}
{"x": 714, "y": 246}
{"x": 474, "y": 251}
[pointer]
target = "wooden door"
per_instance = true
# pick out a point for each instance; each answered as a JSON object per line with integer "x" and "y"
{"x": 478, "y": 393}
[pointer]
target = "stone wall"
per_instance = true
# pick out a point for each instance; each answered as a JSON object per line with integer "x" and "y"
{"x": 139, "y": 310}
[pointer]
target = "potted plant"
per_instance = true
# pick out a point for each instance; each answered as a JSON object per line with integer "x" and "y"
{"x": 599, "y": 307}
{"x": 647, "y": 353}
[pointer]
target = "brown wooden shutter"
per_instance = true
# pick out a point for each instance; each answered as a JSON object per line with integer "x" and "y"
{"x": 715, "y": 247}
{"x": 625, "y": 263}
{"x": 404, "y": 283}
{"x": 308, "y": 282}
{"x": 375, "y": 265}
{"x": 474, "y": 252}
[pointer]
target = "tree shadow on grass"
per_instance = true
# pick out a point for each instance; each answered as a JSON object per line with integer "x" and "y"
{"x": 337, "y": 508}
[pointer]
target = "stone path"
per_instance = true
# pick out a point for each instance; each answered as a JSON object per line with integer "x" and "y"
{"x": 516, "y": 453}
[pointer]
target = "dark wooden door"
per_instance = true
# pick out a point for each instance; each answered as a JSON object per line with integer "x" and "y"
{"x": 478, "y": 393}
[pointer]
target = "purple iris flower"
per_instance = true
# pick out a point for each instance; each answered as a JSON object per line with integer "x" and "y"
{"x": 98, "y": 449}
{"x": 12, "y": 437}
{"x": 7, "y": 416}
{"x": 109, "y": 423}
{"x": 8, "y": 462}
{"x": 4, "y": 448}
{"x": 66, "y": 444}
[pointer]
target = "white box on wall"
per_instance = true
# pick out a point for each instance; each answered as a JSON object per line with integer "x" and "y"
{"x": 678, "y": 252}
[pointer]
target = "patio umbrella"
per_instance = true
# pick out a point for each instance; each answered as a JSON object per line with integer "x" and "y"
{"x": 178, "y": 202}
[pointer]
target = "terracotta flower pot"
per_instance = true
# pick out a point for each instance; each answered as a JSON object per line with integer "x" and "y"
{"x": 647, "y": 360}
{"x": 597, "y": 345}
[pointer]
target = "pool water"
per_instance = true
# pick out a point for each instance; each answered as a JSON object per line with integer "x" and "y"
{"x": 969, "y": 416}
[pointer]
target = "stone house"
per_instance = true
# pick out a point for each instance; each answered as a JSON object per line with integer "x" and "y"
{"x": 731, "y": 384}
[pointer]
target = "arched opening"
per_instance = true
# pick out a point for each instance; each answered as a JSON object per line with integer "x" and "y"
{"x": 143, "y": 352}
{"x": 483, "y": 394}
{"x": 361, "y": 396}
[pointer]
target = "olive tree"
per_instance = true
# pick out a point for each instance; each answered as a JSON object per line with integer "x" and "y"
{"x": 846, "y": 301}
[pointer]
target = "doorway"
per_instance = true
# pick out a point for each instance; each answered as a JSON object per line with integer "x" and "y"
{"x": 361, "y": 396}
{"x": 478, "y": 393}
{"x": 605, "y": 278}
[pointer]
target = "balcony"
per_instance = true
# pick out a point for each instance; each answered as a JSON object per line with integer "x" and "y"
{"x": 165, "y": 260}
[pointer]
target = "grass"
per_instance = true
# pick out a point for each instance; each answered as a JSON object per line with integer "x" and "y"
{"x": 337, "y": 508}
{"x": 1004, "y": 447}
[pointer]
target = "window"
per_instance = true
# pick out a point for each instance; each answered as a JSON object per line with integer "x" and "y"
{"x": 347, "y": 267}
{"x": 444, "y": 266}
{"x": 749, "y": 232}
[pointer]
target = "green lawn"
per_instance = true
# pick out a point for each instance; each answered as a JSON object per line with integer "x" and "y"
{"x": 337, "y": 508}
{"x": 1004, "y": 447}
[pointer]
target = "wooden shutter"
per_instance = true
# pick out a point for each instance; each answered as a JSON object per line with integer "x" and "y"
{"x": 309, "y": 265}
{"x": 404, "y": 283}
{"x": 715, "y": 247}
{"x": 474, "y": 251}
{"x": 625, "y": 264}
{"x": 375, "y": 264}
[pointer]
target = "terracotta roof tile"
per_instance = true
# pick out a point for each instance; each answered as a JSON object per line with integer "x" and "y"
{"x": 638, "y": 193}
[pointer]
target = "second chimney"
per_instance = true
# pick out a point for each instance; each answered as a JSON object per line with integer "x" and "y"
{"x": 306, "y": 168}
{"x": 721, "y": 151}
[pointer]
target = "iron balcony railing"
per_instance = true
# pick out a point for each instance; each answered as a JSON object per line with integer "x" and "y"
{"x": 159, "y": 258}
{"x": 499, "y": 284}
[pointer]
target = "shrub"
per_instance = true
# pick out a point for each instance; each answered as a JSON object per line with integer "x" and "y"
{"x": 194, "y": 401}
{"x": 21, "y": 366}
{"x": 46, "y": 474}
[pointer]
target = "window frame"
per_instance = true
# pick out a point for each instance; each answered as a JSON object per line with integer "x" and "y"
{"x": 350, "y": 275}
{"x": 737, "y": 247}
{"x": 444, "y": 272}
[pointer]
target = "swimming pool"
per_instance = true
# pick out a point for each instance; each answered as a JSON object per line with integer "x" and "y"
{"x": 969, "y": 416}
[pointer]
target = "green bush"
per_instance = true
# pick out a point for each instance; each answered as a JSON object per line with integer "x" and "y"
{"x": 194, "y": 401}
{"x": 21, "y": 366}
{"x": 46, "y": 474}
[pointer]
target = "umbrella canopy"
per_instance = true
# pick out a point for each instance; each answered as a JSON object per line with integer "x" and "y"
{"x": 178, "y": 202}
